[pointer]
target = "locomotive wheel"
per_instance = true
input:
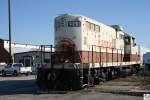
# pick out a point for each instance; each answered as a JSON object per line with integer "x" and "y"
{"x": 51, "y": 78}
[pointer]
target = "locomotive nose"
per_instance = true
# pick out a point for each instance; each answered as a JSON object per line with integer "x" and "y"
{"x": 65, "y": 45}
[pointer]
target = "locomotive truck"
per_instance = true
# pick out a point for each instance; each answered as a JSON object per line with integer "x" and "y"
{"x": 86, "y": 53}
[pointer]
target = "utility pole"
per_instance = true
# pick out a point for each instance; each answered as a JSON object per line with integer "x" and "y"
{"x": 9, "y": 18}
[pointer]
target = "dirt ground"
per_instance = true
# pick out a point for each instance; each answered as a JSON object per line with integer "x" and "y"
{"x": 131, "y": 85}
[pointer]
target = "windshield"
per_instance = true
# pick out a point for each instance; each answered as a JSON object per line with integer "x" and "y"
{"x": 8, "y": 65}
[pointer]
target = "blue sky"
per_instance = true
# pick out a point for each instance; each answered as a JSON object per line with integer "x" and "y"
{"x": 33, "y": 20}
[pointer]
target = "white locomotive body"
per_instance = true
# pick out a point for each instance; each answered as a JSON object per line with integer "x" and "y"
{"x": 95, "y": 43}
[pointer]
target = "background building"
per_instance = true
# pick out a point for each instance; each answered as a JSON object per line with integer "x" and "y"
{"x": 20, "y": 51}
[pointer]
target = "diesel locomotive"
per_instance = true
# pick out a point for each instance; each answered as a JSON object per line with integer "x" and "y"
{"x": 86, "y": 53}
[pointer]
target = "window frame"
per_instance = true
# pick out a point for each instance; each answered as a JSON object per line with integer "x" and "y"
{"x": 73, "y": 24}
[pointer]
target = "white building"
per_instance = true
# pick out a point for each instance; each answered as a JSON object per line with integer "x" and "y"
{"x": 22, "y": 50}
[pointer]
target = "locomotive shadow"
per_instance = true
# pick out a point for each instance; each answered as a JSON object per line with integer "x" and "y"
{"x": 13, "y": 87}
